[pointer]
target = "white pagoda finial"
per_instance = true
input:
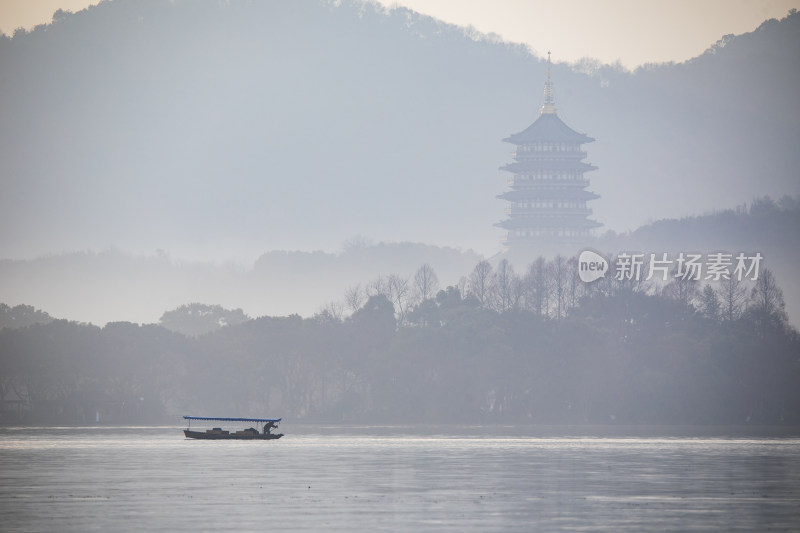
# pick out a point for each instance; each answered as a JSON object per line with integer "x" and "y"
{"x": 549, "y": 106}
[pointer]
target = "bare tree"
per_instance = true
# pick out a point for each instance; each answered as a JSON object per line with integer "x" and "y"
{"x": 766, "y": 298}
{"x": 426, "y": 283}
{"x": 575, "y": 285}
{"x": 462, "y": 285}
{"x": 376, "y": 287}
{"x": 682, "y": 288}
{"x": 398, "y": 294}
{"x": 733, "y": 296}
{"x": 354, "y": 298}
{"x": 480, "y": 283}
{"x": 710, "y": 305}
{"x": 536, "y": 287}
{"x": 518, "y": 291}
{"x": 559, "y": 279}
{"x": 332, "y": 311}
{"x": 506, "y": 285}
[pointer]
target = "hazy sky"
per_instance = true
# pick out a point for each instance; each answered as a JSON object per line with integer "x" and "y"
{"x": 631, "y": 31}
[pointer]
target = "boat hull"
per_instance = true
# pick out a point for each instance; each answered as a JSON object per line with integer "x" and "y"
{"x": 230, "y": 436}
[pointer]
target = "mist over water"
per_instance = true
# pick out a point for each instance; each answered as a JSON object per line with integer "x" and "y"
{"x": 394, "y": 479}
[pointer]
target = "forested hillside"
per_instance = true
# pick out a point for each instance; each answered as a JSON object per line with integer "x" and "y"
{"x": 535, "y": 347}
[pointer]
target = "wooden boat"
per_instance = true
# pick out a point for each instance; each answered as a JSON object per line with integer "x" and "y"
{"x": 262, "y": 431}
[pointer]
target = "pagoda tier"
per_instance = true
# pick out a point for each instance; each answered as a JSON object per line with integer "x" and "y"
{"x": 529, "y": 167}
{"x": 537, "y": 196}
{"x": 548, "y": 190}
{"x": 545, "y": 225}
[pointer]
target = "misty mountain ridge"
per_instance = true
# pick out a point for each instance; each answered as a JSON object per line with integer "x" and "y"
{"x": 248, "y": 127}
{"x": 113, "y": 285}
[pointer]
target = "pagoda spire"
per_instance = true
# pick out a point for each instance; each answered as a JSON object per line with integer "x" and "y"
{"x": 549, "y": 106}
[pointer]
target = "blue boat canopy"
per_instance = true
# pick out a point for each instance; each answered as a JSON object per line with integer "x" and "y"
{"x": 232, "y": 419}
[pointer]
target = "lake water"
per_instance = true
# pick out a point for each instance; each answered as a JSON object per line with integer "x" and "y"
{"x": 394, "y": 479}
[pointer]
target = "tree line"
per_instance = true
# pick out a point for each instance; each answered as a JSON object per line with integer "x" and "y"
{"x": 551, "y": 289}
{"x": 536, "y": 347}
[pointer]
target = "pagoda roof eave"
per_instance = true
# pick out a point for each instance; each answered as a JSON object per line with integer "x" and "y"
{"x": 519, "y": 166}
{"x": 548, "y": 127}
{"x": 557, "y": 194}
{"x": 516, "y": 223}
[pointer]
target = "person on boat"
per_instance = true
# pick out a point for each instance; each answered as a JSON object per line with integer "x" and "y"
{"x": 268, "y": 426}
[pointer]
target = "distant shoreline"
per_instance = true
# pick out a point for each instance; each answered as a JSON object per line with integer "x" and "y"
{"x": 520, "y": 431}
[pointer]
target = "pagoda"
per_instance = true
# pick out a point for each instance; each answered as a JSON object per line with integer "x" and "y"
{"x": 548, "y": 190}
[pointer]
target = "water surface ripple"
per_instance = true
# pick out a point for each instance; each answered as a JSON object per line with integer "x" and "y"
{"x": 135, "y": 479}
